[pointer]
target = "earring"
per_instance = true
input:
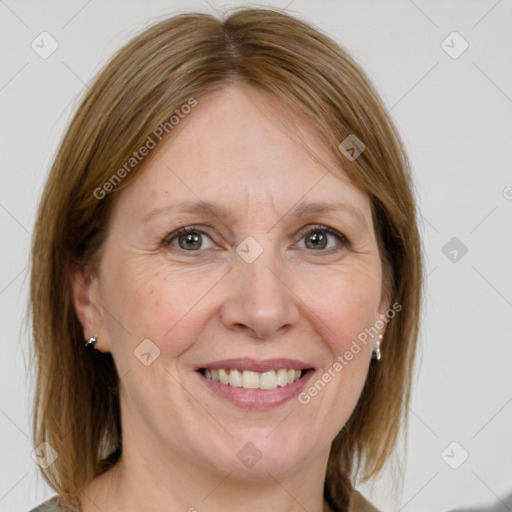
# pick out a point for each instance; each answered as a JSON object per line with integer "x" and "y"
{"x": 91, "y": 342}
{"x": 377, "y": 354}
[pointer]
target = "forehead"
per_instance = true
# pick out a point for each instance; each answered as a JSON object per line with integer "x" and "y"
{"x": 239, "y": 149}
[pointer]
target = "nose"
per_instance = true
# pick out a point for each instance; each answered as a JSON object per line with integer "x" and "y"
{"x": 260, "y": 303}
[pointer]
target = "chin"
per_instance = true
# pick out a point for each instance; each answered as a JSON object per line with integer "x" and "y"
{"x": 253, "y": 457}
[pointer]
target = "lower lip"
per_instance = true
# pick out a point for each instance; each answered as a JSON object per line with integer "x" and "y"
{"x": 258, "y": 398}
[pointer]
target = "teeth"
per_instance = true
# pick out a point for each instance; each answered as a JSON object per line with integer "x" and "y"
{"x": 268, "y": 380}
{"x": 250, "y": 380}
{"x": 254, "y": 380}
{"x": 224, "y": 379}
{"x": 282, "y": 377}
{"x": 235, "y": 379}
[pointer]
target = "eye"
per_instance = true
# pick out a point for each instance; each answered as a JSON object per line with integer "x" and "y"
{"x": 317, "y": 238}
{"x": 189, "y": 239}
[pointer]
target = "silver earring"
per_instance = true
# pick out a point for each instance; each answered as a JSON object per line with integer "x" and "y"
{"x": 377, "y": 354}
{"x": 91, "y": 342}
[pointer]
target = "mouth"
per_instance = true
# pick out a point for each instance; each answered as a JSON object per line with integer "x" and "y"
{"x": 256, "y": 384}
{"x": 247, "y": 379}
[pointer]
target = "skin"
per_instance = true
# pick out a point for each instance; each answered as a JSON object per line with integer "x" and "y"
{"x": 180, "y": 440}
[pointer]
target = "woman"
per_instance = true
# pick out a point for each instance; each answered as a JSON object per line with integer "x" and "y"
{"x": 226, "y": 277}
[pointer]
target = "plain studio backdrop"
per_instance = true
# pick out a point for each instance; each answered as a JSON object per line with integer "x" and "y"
{"x": 444, "y": 70}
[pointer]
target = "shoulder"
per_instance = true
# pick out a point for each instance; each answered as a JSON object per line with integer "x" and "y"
{"x": 358, "y": 503}
{"x": 52, "y": 505}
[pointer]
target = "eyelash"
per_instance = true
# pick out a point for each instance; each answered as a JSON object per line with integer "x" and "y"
{"x": 326, "y": 229}
{"x": 316, "y": 228}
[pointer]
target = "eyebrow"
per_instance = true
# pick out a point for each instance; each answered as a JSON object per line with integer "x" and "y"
{"x": 217, "y": 210}
{"x": 322, "y": 207}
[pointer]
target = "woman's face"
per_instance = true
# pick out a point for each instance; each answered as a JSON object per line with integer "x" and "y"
{"x": 257, "y": 285}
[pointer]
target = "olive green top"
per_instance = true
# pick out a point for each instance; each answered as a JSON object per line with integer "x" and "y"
{"x": 358, "y": 503}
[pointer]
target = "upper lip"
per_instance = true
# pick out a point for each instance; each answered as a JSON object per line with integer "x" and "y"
{"x": 257, "y": 365}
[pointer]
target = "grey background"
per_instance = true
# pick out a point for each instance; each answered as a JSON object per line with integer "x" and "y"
{"x": 455, "y": 116}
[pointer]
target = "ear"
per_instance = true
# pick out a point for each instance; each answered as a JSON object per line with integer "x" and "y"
{"x": 386, "y": 311}
{"x": 384, "y": 307}
{"x": 85, "y": 293}
{"x": 382, "y": 319}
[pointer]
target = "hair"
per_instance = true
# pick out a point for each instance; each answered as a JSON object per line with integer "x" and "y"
{"x": 76, "y": 407}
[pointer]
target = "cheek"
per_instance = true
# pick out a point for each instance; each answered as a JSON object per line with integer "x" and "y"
{"x": 346, "y": 308}
{"x": 351, "y": 312}
{"x": 147, "y": 300}
{"x": 346, "y": 301}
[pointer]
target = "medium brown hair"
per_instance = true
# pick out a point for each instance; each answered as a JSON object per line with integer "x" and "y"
{"x": 187, "y": 56}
